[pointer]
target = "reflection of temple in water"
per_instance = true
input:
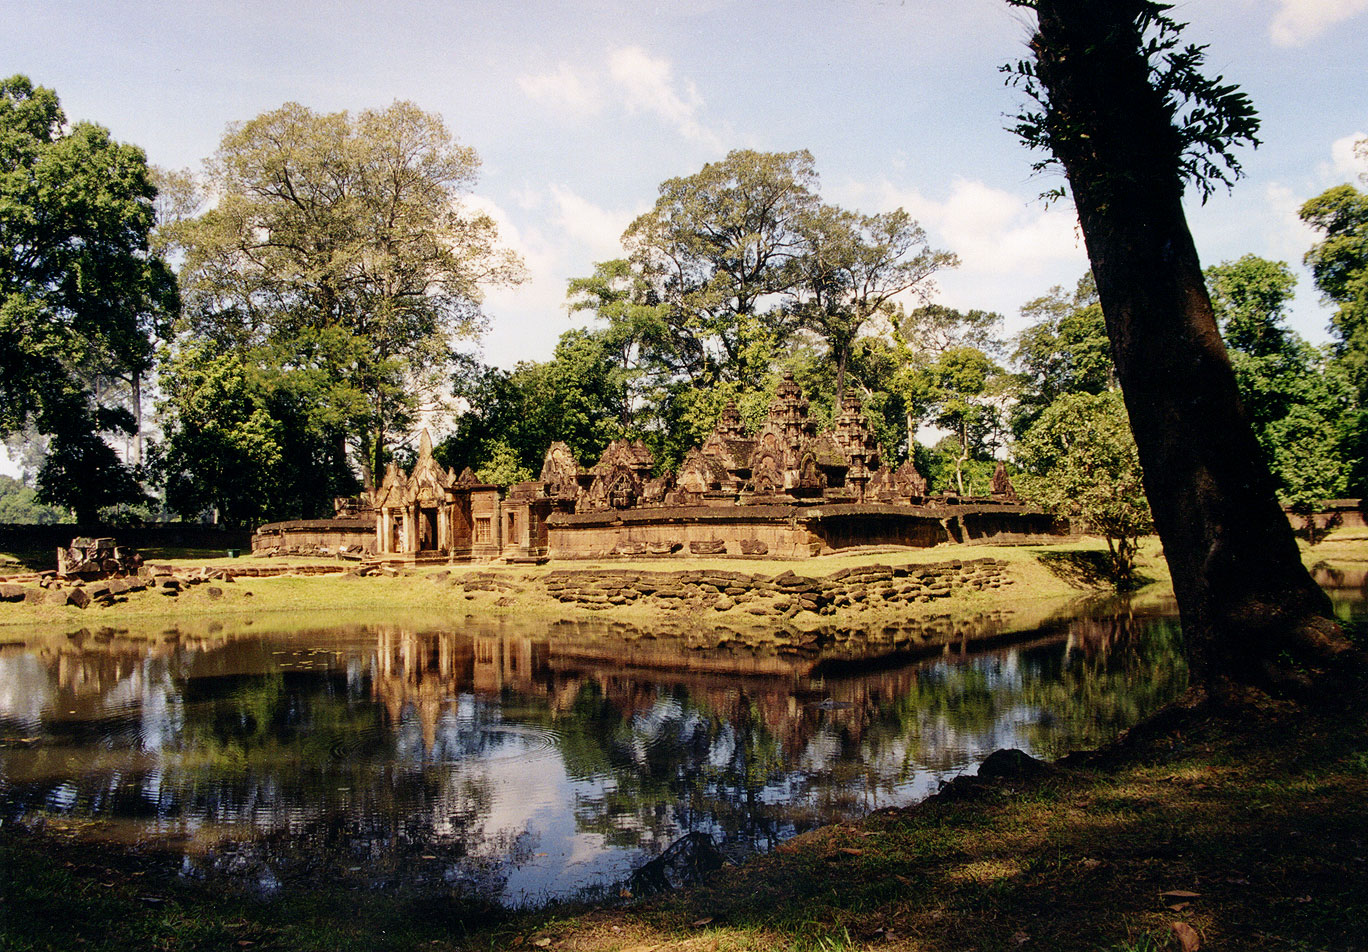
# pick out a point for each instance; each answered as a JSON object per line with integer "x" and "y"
{"x": 426, "y": 672}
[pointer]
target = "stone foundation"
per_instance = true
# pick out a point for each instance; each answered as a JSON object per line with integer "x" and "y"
{"x": 786, "y": 595}
{"x": 789, "y": 531}
{"x": 327, "y": 537}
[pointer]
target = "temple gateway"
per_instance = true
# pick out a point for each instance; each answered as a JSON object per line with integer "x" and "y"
{"x": 786, "y": 491}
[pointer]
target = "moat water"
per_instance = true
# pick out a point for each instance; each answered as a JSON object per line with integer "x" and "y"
{"x": 525, "y": 766}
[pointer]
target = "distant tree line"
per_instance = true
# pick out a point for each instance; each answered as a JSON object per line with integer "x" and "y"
{"x": 295, "y": 309}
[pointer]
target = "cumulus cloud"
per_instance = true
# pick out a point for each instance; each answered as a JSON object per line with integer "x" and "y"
{"x": 1286, "y": 236}
{"x": 1011, "y": 247}
{"x": 560, "y": 235}
{"x": 1301, "y": 21}
{"x": 563, "y": 88}
{"x": 1347, "y": 158}
{"x": 595, "y": 230}
{"x": 648, "y": 85}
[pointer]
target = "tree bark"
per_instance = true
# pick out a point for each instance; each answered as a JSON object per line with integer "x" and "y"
{"x": 1250, "y": 611}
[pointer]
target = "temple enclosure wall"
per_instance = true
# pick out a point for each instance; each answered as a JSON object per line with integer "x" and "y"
{"x": 790, "y": 531}
{"x": 316, "y": 537}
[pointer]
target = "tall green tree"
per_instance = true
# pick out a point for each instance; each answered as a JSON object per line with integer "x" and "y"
{"x": 1063, "y": 350}
{"x": 961, "y": 387}
{"x": 1299, "y": 399}
{"x": 248, "y": 440}
{"x": 645, "y": 351}
{"x": 851, "y": 269}
{"x": 516, "y": 415}
{"x": 347, "y": 237}
{"x": 718, "y": 247}
{"x": 1339, "y": 263}
{"x": 82, "y": 296}
{"x": 19, "y": 505}
{"x": 1123, "y": 106}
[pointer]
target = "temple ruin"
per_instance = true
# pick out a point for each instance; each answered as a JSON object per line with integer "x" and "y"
{"x": 785, "y": 491}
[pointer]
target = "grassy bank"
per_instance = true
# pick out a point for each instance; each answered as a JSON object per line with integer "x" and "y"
{"x": 1244, "y": 831}
{"x": 1043, "y": 580}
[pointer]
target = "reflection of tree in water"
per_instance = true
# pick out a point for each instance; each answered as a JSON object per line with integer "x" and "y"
{"x": 682, "y": 761}
{"x": 383, "y": 762}
{"x": 671, "y": 766}
{"x": 1118, "y": 670}
{"x": 1114, "y": 670}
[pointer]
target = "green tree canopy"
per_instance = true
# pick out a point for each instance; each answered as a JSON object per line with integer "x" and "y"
{"x": 81, "y": 295}
{"x": 1081, "y": 462}
{"x": 19, "y": 505}
{"x": 1298, "y": 398}
{"x": 961, "y": 388}
{"x": 344, "y": 238}
{"x": 718, "y": 248}
{"x": 1063, "y": 350}
{"x": 850, "y": 271}
{"x": 1339, "y": 264}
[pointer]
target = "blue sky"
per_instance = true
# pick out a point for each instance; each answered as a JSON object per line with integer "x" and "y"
{"x": 579, "y": 110}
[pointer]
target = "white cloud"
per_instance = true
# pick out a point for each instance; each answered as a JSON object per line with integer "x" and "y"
{"x": 1301, "y": 21}
{"x": 560, "y": 235}
{"x": 563, "y": 88}
{"x": 1346, "y": 162}
{"x": 597, "y": 231}
{"x": 649, "y": 86}
{"x": 1011, "y": 247}
{"x": 1287, "y": 236}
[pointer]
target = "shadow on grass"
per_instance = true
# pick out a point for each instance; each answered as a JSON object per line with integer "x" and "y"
{"x": 1259, "y": 848}
{"x": 1089, "y": 569}
{"x": 17, "y": 560}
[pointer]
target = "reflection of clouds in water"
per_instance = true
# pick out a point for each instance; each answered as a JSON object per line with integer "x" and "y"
{"x": 723, "y": 749}
{"x": 518, "y": 790}
{"x": 25, "y": 690}
{"x": 822, "y": 751}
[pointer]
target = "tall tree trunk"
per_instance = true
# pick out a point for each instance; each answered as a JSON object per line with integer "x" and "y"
{"x": 137, "y": 418}
{"x": 1246, "y": 601}
{"x": 963, "y": 457}
{"x": 842, "y": 356}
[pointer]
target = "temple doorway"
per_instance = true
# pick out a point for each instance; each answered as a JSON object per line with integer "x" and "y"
{"x": 427, "y": 529}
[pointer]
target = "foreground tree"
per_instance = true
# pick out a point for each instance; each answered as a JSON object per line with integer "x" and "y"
{"x": 1126, "y": 111}
{"x": 346, "y": 239}
{"x": 81, "y": 294}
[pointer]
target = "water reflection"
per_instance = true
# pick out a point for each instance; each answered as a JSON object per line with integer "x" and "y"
{"x": 525, "y": 766}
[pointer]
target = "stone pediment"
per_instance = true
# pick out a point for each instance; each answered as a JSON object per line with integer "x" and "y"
{"x": 730, "y": 452}
{"x": 826, "y": 451}
{"x": 560, "y": 470}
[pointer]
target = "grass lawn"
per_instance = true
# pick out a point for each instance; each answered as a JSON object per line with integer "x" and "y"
{"x": 1046, "y": 578}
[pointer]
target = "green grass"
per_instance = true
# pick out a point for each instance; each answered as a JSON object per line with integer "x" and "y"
{"x": 1039, "y": 591}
